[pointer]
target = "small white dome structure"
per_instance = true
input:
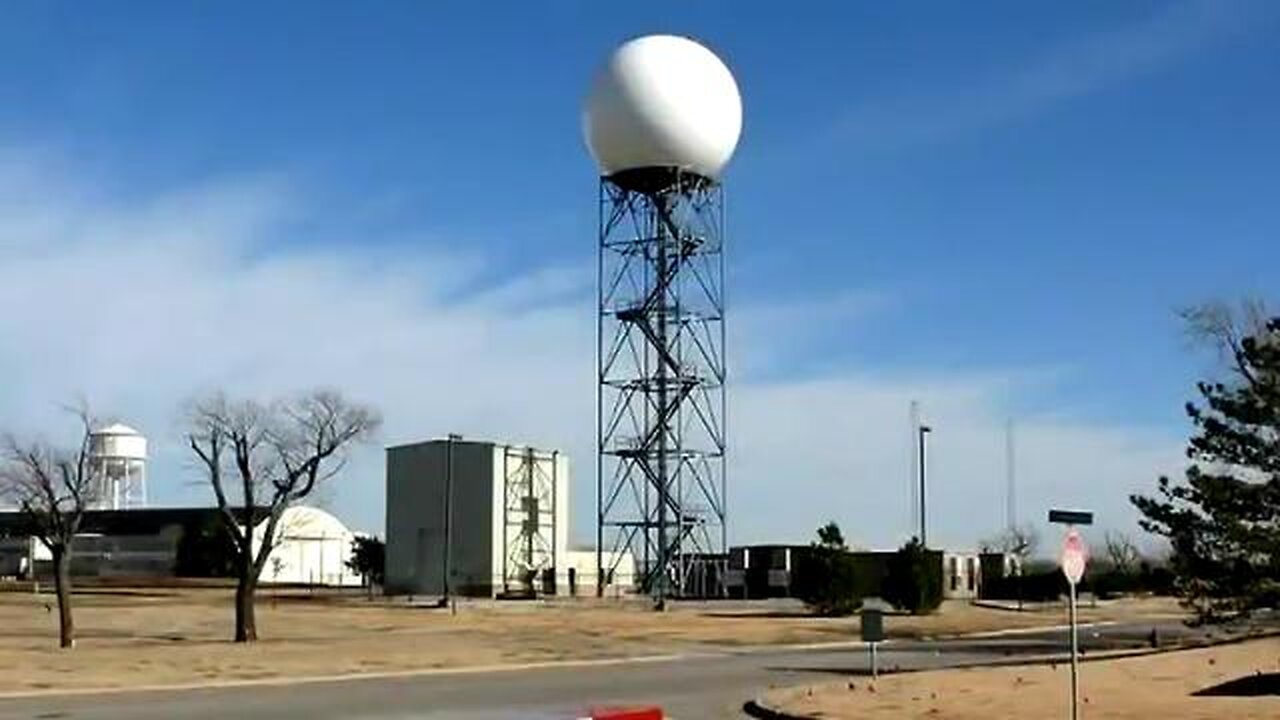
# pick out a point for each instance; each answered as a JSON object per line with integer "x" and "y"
{"x": 312, "y": 547}
{"x": 663, "y": 101}
{"x": 120, "y": 455}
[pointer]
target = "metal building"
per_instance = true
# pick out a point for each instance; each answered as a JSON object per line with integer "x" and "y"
{"x": 584, "y": 577}
{"x": 476, "y": 518}
{"x": 312, "y": 547}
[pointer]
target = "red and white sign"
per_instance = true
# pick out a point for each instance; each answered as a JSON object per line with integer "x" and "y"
{"x": 1074, "y": 557}
{"x": 646, "y": 713}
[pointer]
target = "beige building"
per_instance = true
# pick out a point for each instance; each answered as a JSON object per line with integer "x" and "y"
{"x": 583, "y": 573}
{"x": 477, "y": 518}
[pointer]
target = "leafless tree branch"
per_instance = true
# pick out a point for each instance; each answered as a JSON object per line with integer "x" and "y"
{"x": 280, "y": 453}
{"x": 1020, "y": 541}
{"x": 53, "y": 488}
{"x": 1223, "y": 327}
{"x": 1122, "y": 553}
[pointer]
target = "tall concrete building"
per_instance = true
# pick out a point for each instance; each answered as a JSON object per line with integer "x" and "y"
{"x": 477, "y": 518}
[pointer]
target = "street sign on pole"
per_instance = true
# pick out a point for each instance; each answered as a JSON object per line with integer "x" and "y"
{"x": 1074, "y": 556}
{"x": 1071, "y": 517}
{"x": 1073, "y": 560}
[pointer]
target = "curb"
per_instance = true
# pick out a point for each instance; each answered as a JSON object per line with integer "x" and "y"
{"x": 757, "y": 709}
{"x": 859, "y": 644}
{"x": 1029, "y": 630}
{"x": 1024, "y": 631}
{"x": 540, "y": 665}
{"x": 343, "y": 677}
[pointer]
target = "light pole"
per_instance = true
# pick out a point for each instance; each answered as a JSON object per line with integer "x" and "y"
{"x": 924, "y": 531}
{"x": 448, "y": 516}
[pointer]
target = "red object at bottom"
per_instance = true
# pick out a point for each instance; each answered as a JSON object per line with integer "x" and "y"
{"x": 649, "y": 713}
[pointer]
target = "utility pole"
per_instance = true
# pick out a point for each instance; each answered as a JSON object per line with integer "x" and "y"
{"x": 1011, "y": 487}
{"x": 924, "y": 525}
{"x": 913, "y": 478}
{"x": 448, "y": 517}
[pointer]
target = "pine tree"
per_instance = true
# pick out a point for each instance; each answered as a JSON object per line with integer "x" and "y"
{"x": 1223, "y": 523}
{"x": 829, "y": 536}
{"x": 369, "y": 559}
{"x": 825, "y": 577}
{"x": 913, "y": 578}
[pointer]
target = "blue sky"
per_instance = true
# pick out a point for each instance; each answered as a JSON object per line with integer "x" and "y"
{"x": 995, "y": 210}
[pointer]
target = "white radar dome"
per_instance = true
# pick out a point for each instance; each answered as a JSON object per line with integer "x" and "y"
{"x": 663, "y": 101}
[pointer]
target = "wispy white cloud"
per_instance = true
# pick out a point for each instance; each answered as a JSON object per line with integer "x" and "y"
{"x": 1074, "y": 68}
{"x": 769, "y": 335}
{"x": 142, "y": 303}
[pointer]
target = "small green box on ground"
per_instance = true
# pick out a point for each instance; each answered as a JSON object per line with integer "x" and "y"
{"x": 872, "y": 625}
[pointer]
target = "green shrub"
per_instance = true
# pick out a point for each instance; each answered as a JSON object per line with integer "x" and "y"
{"x": 368, "y": 559}
{"x": 1041, "y": 586}
{"x": 826, "y": 579}
{"x": 825, "y": 575}
{"x": 913, "y": 581}
{"x": 206, "y": 550}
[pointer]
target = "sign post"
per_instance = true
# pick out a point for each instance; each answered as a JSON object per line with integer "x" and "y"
{"x": 1074, "y": 557}
{"x": 872, "y": 633}
{"x": 1073, "y": 560}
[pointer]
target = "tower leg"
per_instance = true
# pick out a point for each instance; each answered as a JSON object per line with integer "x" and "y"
{"x": 661, "y": 438}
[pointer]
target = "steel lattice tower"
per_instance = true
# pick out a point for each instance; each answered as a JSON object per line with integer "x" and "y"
{"x": 661, "y": 398}
{"x": 529, "y": 519}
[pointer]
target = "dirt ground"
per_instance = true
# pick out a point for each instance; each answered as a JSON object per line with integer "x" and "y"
{"x": 1152, "y": 686}
{"x": 179, "y": 636}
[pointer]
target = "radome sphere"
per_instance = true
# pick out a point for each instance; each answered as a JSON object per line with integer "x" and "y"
{"x": 663, "y": 101}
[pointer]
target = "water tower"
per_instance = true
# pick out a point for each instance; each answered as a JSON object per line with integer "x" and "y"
{"x": 120, "y": 455}
{"x": 662, "y": 120}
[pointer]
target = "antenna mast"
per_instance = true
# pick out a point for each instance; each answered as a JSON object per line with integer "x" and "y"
{"x": 913, "y": 478}
{"x": 1011, "y": 479}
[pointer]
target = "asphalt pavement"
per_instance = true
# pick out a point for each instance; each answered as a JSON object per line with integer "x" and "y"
{"x": 710, "y": 685}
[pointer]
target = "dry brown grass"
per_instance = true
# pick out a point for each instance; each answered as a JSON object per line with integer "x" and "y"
{"x": 179, "y": 636}
{"x": 1154, "y": 686}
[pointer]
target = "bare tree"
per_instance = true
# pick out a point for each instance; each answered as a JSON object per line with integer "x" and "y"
{"x": 53, "y": 488}
{"x": 1020, "y": 541}
{"x": 1122, "y": 553}
{"x": 1224, "y": 327}
{"x": 268, "y": 458}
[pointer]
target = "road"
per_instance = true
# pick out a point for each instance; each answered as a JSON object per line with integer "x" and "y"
{"x": 695, "y": 686}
